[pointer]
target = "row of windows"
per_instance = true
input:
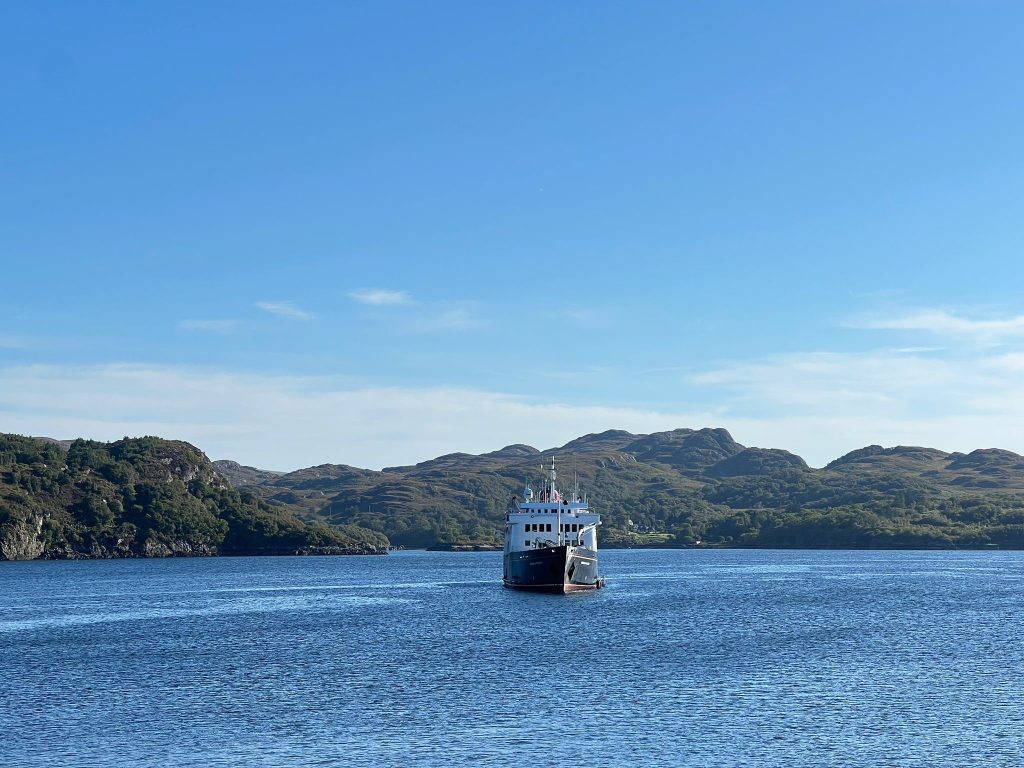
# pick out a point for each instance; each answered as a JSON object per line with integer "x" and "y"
{"x": 546, "y": 511}
{"x": 546, "y": 527}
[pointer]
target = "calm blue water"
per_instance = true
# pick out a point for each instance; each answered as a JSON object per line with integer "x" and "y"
{"x": 697, "y": 658}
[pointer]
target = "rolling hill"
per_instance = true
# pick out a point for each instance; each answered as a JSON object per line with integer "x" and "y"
{"x": 680, "y": 488}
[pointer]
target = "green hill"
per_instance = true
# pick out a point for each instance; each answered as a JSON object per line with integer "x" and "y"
{"x": 143, "y": 497}
{"x": 153, "y": 497}
{"x": 682, "y": 488}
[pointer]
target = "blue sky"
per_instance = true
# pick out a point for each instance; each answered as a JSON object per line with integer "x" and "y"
{"x": 297, "y": 233}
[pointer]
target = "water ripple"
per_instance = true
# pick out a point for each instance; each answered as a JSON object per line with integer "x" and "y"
{"x": 688, "y": 658}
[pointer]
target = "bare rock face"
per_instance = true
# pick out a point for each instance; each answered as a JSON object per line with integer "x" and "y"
{"x": 22, "y": 541}
{"x": 154, "y": 548}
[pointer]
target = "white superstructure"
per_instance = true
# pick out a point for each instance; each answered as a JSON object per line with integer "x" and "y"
{"x": 549, "y": 519}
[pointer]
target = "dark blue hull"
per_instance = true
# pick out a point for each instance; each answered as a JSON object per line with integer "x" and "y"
{"x": 553, "y": 569}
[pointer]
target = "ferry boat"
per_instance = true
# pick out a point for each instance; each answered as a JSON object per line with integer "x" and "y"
{"x": 551, "y": 541}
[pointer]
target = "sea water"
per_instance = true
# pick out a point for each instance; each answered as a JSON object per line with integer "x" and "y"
{"x": 686, "y": 658}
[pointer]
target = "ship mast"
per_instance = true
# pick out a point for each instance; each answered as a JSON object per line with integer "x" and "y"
{"x": 553, "y": 496}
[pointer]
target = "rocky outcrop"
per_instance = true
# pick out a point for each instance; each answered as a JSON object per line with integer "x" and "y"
{"x": 686, "y": 450}
{"x": 240, "y": 474}
{"x": 609, "y": 440}
{"x": 22, "y": 540}
{"x": 906, "y": 456}
{"x": 988, "y": 461}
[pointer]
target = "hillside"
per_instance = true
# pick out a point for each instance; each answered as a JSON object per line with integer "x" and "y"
{"x": 683, "y": 488}
{"x": 143, "y": 497}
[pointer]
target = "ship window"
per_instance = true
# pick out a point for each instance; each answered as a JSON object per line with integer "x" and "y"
{"x": 549, "y": 528}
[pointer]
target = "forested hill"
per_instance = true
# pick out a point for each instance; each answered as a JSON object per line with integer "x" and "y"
{"x": 680, "y": 488}
{"x": 143, "y": 497}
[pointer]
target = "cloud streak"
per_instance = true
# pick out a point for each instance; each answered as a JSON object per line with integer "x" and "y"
{"x": 823, "y": 404}
{"x": 287, "y": 422}
{"x": 380, "y": 297}
{"x": 940, "y": 322}
{"x": 285, "y": 309}
{"x": 817, "y": 404}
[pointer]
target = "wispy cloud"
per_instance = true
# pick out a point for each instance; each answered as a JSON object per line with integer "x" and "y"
{"x": 819, "y": 405}
{"x": 940, "y": 322}
{"x": 832, "y": 382}
{"x": 424, "y": 317}
{"x": 209, "y": 326}
{"x": 380, "y": 297}
{"x": 823, "y": 404}
{"x": 12, "y": 342}
{"x": 284, "y": 309}
{"x": 287, "y": 422}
